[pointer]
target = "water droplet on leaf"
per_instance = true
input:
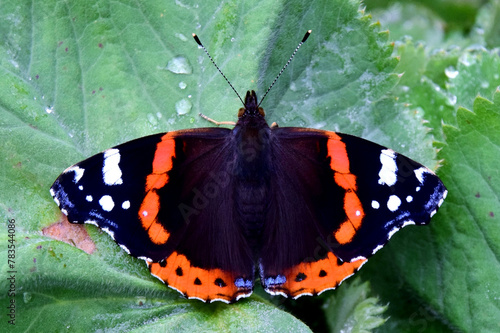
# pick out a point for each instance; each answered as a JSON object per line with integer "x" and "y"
{"x": 179, "y": 65}
{"x": 183, "y": 106}
{"x": 27, "y": 297}
{"x": 451, "y": 72}
{"x": 181, "y": 36}
{"x": 152, "y": 119}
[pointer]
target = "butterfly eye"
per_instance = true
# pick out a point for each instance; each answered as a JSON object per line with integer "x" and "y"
{"x": 262, "y": 112}
{"x": 241, "y": 111}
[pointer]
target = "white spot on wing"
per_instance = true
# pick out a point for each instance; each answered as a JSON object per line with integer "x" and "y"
{"x": 78, "y": 172}
{"x": 191, "y": 297}
{"x": 326, "y": 289}
{"x": 388, "y": 172}
{"x": 392, "y": 232}
{"x": 275, "y": 293}
{"x": 396, "y": 229}
{"x": 80, "y": 188}
{"x": 303, "y": 294}
{"x": 111, "y": 172}
{"x": 445, "y": 193}
{"x": 109, "y": 232}
{"x": 89, "y": 198}
{"x": 409, "y": 198}
{"x": 185, "y": 295}
{"x": 106, "y": 203}
{"x": 243, "y": 295}
{"x": 217, "y": 299}
{"x": 409, "y": 222}
{"x": 393, "y": 203}
{"x": 125, "y": 248}
{"x": 419, "y": 173}
{"x": 375, "y": 204}
{"x": 126, "y": 204}
{"x": 91, "y": 222}
{"x": 375, "y": 250}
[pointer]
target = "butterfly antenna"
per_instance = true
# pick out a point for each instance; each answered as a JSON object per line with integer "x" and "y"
{"x": 213, "y": 62}
{"x": 286, "y": 65}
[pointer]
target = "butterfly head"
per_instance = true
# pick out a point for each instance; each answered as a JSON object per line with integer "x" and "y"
{"x": 251, "y": 108}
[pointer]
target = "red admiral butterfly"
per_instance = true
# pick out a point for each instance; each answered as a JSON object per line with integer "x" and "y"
{"x": 207, "y": 208}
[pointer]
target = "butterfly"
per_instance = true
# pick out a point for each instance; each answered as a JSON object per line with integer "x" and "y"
{"x": 211, "y": 209}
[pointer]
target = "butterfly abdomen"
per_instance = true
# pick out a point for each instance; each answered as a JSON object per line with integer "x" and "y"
{"x": 252, "y": 175}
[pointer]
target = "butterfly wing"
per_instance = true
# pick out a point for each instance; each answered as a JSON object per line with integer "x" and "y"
{"x": 164, "y": 198}
{"x": 331, "y": 210}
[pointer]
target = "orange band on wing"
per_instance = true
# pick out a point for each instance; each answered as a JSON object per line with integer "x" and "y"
{"x": 155, "y": 181}
{"x": 339, "y": 163}
{"x": 312, "y": 278}
{"x": 353, "y": 208}
{"x": 194, "y": 282}
{"x": 336, "y": 150}
{"x": 345, "y": 180}
{"x": 150, "y": 206}
{"x": 355, "y": 215}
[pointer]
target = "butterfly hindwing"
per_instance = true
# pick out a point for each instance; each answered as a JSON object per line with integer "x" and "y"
{"x": 331, "y": 209}
{"x": 209, "y": 257}
{"x": 171, "y": 212}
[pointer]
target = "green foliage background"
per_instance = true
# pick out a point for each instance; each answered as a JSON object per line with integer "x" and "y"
{"x": 421, "y": 77}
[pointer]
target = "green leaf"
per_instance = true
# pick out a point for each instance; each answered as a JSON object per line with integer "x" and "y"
{"x": 477, "y": 72}
{"x": 466, "y": 292}
{"x": 488, "y": 23}
{"x": 423, "y": 86}
{"x": 447, "y": 273}
{"x": 435, "y": 269}
{"x": 458, "y": 14}
{"x": 80, "y": 77}
{"x": 64, "y": 288}
{"x": 352, "y": 310}
{"x": 410, "y": 19}
{"x": 440, "y": 83}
